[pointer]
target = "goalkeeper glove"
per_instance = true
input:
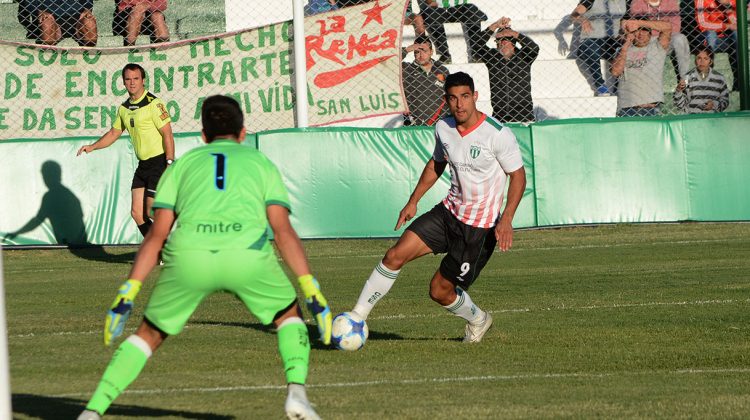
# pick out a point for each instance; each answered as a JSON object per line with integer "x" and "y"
{"x": 318, "y": 306}
{"x": 120, "y": 310}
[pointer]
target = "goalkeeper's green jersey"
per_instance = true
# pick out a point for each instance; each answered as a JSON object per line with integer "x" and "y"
{"x": 219, "y": 193}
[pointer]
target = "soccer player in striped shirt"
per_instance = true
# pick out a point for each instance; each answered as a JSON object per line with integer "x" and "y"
{"x": 703, "y": 89}
{"x": 467, "y": 225}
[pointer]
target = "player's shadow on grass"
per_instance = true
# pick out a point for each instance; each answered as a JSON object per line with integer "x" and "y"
{"x": 312, "y": 330}
{"x": 45, "y": 407}
{"x": 65, "y": 214}
{"x": 374, "y": 335}
{"x": 98, "y": 253}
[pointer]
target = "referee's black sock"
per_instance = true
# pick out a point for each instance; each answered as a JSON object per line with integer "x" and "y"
{"x": 145, "y": 227}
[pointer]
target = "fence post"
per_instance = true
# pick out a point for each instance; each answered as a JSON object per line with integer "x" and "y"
{"x": 300, "y": 64}
{"x": 5, "y": 401}
{"x": 742, "y": 50}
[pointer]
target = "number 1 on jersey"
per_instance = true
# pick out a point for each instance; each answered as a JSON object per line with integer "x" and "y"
{"x": 219, "y": 165}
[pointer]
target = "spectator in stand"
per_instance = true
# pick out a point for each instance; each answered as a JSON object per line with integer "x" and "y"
{"x": 717, "y": 19}
{"x": 313, "y": 7}
{"x": 667, "y": 10}
{"x": 563, "y": 48}
{"x": 423, "y": 84}
{"x": 49, "y": 21}
{"x": 640, "y": 68}
{"x": 600, "y": 22}
{"x": 704, "y": 89}
{"x": 509, "y": 67}
{"x": 140, "y": 17}
{"x": 437, "y": 12}
{"x": 414, "y": 19}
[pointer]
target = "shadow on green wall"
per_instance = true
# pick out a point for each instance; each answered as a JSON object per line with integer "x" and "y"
{"x": 63, "y": 210}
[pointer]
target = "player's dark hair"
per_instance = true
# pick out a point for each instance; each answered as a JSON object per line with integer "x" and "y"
{"x": 459, "y": 79}
{"x": 706, "y": 49}
{"x": 133, "y": 67}
{"x": 221, "y": 116}
{"x": 423, "y": 39}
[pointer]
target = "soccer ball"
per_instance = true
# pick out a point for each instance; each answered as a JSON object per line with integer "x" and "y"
{"x": 349, "y": 331}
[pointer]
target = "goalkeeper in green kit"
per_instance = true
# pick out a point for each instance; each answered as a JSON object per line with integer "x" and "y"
{"x": 220, "y": 198}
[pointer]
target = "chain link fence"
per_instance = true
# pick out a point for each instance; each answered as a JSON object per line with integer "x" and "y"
{"x": 379, "y": 63}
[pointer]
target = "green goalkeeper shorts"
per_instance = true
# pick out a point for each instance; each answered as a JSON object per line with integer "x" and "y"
{"x": 255, "y": 277}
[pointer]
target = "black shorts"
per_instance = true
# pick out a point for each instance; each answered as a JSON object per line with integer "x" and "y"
{"x": 468, "y": 248}
{"x": 148, "y": 173}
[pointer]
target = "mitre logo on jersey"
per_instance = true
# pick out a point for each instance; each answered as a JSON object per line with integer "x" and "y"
{"x": 474, "y": 151}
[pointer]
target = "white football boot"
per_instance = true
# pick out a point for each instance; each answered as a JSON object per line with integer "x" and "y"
{"x": 475, "y": 332}
{"x": 297, "y": 406}
{"x": 89, "y": 415}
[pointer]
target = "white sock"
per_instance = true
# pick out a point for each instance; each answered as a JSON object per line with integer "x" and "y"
{"x": 296, "y": 391}
{"x": 464, "y": 307}
{"x": 379, "y": 283}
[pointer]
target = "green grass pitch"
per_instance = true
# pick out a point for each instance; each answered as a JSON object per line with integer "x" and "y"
{"x": 633, "y": 321}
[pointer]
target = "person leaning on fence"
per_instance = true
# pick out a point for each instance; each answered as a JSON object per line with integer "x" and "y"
{"x": 639, "y": 67}
{"x": 424, "y": 79}
{"x": 599, "y": 22}
{"x": 49, "y": 21}
{"x": 140, "y": 17}
{"x": 704, "y": 89}
{"x": 509, "y": 68}
{"x": 667, "y": 10}
{"x": 717, "y": 19}
{"x": 437, "y": 12}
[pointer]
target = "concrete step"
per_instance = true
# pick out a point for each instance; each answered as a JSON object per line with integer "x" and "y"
{"x": 542, "y": 32}
{"x": 586, "y": 107}
{"x": 522, "y": 10}
{"x": 560, "y": 79}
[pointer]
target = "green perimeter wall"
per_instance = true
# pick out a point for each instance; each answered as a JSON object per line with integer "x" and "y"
{"x": 347, "y": 182}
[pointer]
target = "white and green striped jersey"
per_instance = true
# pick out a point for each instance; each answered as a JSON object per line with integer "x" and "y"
{"x": 450, "y": 3}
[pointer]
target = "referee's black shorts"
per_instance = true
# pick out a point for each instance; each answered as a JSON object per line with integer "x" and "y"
{"x": 468, "y": 248}
{"x": 148, "y": 172}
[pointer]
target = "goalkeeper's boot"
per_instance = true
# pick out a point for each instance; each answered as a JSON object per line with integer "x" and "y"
{"x": 475, "y": 331}
{"x": 89, "y": 415}
{"x": 297, "y": 406}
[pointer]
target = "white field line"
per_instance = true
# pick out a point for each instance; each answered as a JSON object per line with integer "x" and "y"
{"x": 421, "y": 381}
{"x": 435, "y": 315}
{"x": 550, "y": 248}
{"x": 531, "y": 249}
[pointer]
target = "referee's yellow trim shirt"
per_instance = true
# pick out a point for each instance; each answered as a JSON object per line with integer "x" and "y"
{"x": 142, "y": 119}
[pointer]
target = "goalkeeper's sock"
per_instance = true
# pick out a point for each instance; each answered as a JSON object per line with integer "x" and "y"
{"x": 294, "y": 348}
{"x": 125, "y": 366}
{"x": 380, "y": 282}
{"x": 464, "y": 307}
{"x": 144, "y": 227}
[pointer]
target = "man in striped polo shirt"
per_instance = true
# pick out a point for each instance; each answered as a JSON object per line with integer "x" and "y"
{"x": 482, "y": 154}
